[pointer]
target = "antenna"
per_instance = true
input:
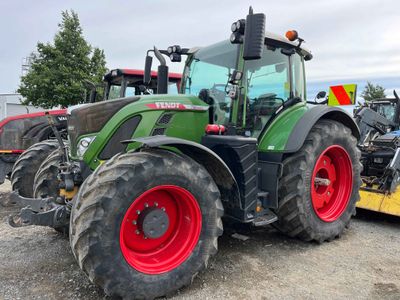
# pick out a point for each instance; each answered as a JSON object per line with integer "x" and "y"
{"x": 26, "y": 64}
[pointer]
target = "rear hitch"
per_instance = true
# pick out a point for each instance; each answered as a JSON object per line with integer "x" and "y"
{"x": 42, "y": 212}
{"x": 14, "y": 199}
{"x": 56, "y": 217}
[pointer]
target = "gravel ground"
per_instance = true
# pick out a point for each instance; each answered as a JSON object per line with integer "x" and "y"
{"x": 37, "y": 263}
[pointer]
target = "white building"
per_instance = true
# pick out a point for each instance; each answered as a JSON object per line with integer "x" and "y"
{"x": 10, "y": 105}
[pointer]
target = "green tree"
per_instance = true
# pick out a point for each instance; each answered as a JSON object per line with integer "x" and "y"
{"x": 58, "y": 70}
{"x": 372, "y": 92}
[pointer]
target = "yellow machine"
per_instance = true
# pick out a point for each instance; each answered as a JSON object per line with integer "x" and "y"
{"x": 380, "y": 202}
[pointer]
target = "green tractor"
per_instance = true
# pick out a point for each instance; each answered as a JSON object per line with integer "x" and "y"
{"x": 148, "y": 179}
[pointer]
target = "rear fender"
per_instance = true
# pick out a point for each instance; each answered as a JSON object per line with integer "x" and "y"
{"x": 313, "y": 115}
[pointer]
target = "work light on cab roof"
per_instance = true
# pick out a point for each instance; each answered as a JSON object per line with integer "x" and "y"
{"x": 175, "y": 53}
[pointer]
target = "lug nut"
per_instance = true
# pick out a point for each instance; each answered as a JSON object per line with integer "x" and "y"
{"x": 138, "y": 212}
{"x": 155, "y": 204}
{"x": 137, "y": 232}
{"x": 134, "y": 222}
{"x": 163, "y": 208}
{"x": 146, "y": 205}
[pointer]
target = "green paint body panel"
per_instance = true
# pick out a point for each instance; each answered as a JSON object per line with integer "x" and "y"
{"x": 277, "y": 134}
{"x": 186, "y": 124}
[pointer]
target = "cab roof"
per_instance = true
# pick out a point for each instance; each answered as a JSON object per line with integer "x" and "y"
{"x": 277, "y": 41}
{"x": 272, "y": 38}
{"x": 136, "y": 73}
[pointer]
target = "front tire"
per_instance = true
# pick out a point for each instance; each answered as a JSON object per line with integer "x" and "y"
{"x": 46, "y": 182}
{"x": 320, "y": 184}
{"x": 28, "y": 164}
{"x": 144, "y": 224}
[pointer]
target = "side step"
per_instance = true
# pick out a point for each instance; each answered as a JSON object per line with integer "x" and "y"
{"x": 269, "y": 218}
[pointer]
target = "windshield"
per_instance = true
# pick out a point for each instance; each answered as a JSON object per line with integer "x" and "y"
{"x": 386, "y": 110}
{"x": 210, "y": 69}
{"x": 268, "y": 85}
{"x": 115, "y": 91}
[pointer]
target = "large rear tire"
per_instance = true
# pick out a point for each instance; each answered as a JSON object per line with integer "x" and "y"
{"x": 320, "y": 184}
{"x": 145, "y": 224}
{"x": 28, "y": 164}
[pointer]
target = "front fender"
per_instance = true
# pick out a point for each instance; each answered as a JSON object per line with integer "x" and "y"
{"x": 215, "y": 166}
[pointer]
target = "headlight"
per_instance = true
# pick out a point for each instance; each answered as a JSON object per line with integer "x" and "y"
{"x": 83, "y": 145}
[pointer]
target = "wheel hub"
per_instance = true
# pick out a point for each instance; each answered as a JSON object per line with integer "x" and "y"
{"x": 154, "y": 222}
{"x": 160, "y": 229}
{"x": 331, "y": 183}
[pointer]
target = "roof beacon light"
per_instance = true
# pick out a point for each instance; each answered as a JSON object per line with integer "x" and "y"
{"x": 292, "y": 35}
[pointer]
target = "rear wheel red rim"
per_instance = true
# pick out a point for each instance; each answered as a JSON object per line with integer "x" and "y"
{"x": 331, "y": 183}
{"x": 160, "y": 229}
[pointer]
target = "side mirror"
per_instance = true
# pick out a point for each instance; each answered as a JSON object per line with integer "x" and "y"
{"x": 254, "y": 36}
{"x": 147, "y": 70}
{"x": 321, "y": 94}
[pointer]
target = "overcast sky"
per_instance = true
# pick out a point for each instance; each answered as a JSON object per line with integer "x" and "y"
{"x": 352, "y": 41}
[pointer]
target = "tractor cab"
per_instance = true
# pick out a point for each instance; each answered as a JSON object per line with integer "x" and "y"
{"x": 386, "y": 107}
{"x": 263, "y": 87}
{"x": 246, "y": 81}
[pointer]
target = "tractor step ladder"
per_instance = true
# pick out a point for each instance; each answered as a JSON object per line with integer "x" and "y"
{"x": 269, "y": 218}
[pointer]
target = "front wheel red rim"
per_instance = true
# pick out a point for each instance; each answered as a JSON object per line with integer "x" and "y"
{"x": 331, "y": 183}
{"x": 160, "y": 229}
